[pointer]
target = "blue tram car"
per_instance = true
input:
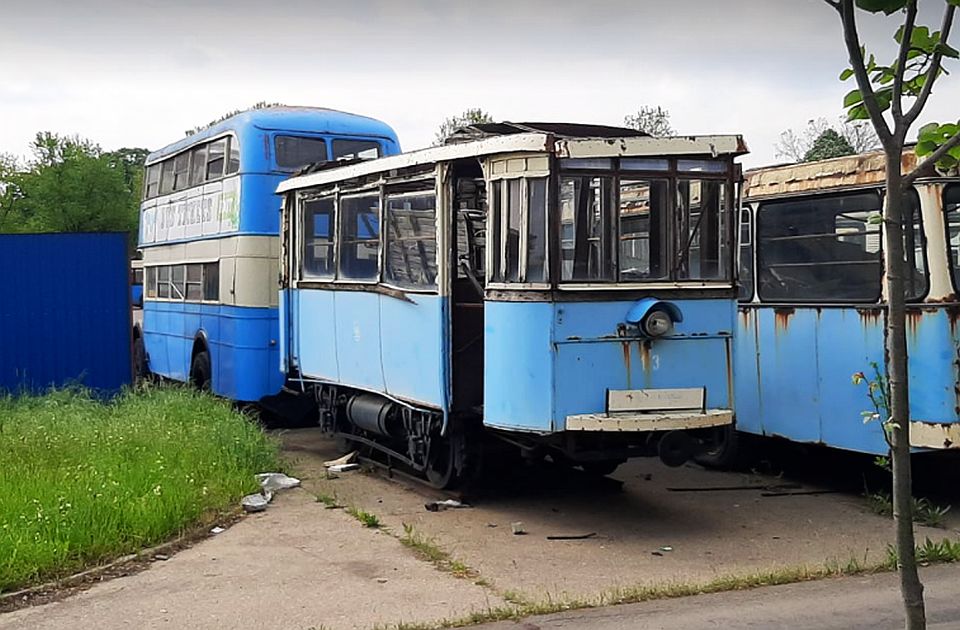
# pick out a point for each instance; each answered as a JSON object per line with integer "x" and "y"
{"x": 566, "y": 288}
{"x": 813, "y": 309}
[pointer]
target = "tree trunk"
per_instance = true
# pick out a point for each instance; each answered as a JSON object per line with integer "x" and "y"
{"x": 896, "y": 364}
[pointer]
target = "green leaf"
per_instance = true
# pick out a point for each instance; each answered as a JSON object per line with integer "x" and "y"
{"x": 858, "y": 112}
{"x": 955, "y": 3}
{"x": 886, "y": 6}
{"x": 846, "y": 74}
{"x": 927, "y": 130}
{"x": 947, "y": 51}
{"x": 925, "y": 147}
{"x": 852, "y": 98}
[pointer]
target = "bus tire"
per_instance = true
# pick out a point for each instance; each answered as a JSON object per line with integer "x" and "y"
{"x": 200, "y": 371}
{"x": 728, "y": 453}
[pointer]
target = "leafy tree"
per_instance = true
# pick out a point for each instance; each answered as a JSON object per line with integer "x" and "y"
{"x": 651, "y": 119}
{"x": 859, "y": 134}
{"x": 892, "y": 97}
{"x": 468, "y": 117}
{"x": 71, "y": 185}
{"x": 830, "y": 144}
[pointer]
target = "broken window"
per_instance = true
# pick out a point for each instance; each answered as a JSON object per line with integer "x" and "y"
{"x": 294, "y": 152}
{"x": 586, "y": 230}
{"x": 642, "y": 226}
{"x": 411, "y": 240}
{"x": 702, "y": 207}
{"x": 359, "y": 237}
{"x": 318, "y": 225}
{"x": 820, "y": 249}
{"x": 520, "y": 230}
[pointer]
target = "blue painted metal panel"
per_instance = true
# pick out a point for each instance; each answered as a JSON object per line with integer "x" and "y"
{"x": 412, "y": 348}
{"x": 357, "y": 328}
{"x": 64, "y": 323}
{"x": 244, "y": 352}
{"x": 315, "y": 334}
{"x": 518, "y": 366}
{"x": 794, "y": 368}
{"x": 699, "y": 353}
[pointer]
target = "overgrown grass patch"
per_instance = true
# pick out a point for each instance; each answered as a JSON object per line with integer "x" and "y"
{"x": 83, "y": 481}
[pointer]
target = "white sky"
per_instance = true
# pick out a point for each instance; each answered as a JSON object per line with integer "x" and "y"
{"x": 138, "y": 73}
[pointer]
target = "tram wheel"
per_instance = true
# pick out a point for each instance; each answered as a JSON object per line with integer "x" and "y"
{"x": 441, "y": 471}
{"x": 727, "y": 451}
{"x": 200, "y": 371}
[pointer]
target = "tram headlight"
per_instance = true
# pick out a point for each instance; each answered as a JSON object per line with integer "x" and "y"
{"x": 657, "y": 323}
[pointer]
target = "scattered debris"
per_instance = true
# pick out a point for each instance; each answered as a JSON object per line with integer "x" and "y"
{"x": 666, "y": 548}
{"x": 439, "y": 506}
{"x": 343, "y": 467}
{"x": 382, "y": 580}
{"x": 161, "y": 556}
{"x": 518, "y": 529}
{"x": 804, "y": 492}
{"x": 346, "y": 459}
{"x": 218, "y": 530}
{"x": 656, "y": 553}
{"x": 492, "y": 525}
{"x": 648, "y": 477}
{"x": 269, "y": 484}
{"x": 572, "y": 536}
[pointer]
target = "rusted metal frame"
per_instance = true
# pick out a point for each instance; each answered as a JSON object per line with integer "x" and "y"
{"x": 603, "y": 293}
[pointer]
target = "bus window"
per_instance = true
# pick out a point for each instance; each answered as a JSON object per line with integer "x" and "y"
{"x": 166, "y": 177}
{"x": 181, "y": 171}
{"x": 294, "y": 152}
{"x": 642, "y": 223}
{"x": 819, "y": 249}
{"x": 362, "y": 149}
{"x": 411, "y": 241}
{"x": 359, "y": 237}
{"x": 585, "y": 227}
{"x": 198, "y": 165}
{"x": 702, "y": 205}
{"x": 163, "y": 282}
{"x": 152, "y": 185}
{"x": 318, "y": 238}
{"x": 233, "y": 164}
{"x": 215, "y": 158}
{"x": 151, "y": 283}
{"x": 194, "y": 291}
{"x": 211, "y": 281}
{"x": 951, "y": 205}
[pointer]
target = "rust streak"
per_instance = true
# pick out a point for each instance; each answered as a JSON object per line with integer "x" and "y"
{"x": 645, "y": 360}
{"x": 782, "y": 317}
{"x": 730, "y": 394}
{"x": 869, "y": 315}
{"x": 625, "y": 345}
{"x": 914, "y": 319}
{"x": 953, "y": 315}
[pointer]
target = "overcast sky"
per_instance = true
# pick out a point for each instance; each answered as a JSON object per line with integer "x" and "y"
{"x": 138, "y": 73}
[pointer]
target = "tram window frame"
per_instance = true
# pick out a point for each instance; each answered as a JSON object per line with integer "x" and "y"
{"x": 348, "y": 238}
{"x": 657, "y": 252}
{"x": 413, "y": 242}
{"x": 745, "y": 262}
{"x": 520, "y": 233}
{"x": 871, "y": 202}
{"x": 595, "y": 261}
{"x": 309, "y": 264}
{"x": 951, "y": 197}
{"x": 693, "y": 230}
{"x": 912, "y": 210}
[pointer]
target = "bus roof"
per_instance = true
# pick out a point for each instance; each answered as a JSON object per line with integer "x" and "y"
{"x": 864, "y": 170}
{"x": 576, "y": 147}
{"x": 284, "y": 118}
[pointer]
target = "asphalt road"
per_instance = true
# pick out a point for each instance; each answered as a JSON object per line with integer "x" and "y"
{"x": 851, "y": 603}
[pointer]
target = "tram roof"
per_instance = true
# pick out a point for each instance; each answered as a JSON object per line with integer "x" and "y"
{"x": 530, "y": 142}
{"x": 864, "y": 170}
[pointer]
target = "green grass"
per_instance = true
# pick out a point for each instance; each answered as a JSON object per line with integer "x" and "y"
{"x": 366, "y": 518}
{"x": 83, "y": 481}
{"x": 427, "y": 549}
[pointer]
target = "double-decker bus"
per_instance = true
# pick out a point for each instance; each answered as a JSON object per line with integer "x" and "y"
{"x": 209, "y": 226}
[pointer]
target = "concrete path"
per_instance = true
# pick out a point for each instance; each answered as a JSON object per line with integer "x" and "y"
{"x": 852, "y": 603}
{"x": 295, "y": 566}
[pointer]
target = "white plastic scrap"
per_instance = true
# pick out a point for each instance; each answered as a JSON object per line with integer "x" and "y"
{"x": 343, "y": 467}
{"x": 269, "y": 484}
{"x": 346, "y": 459}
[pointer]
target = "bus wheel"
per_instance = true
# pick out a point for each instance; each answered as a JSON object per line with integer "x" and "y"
{"x": 140, "y": 370}
{"x": 726, "y": 452}
{"x": 200, "y": 371}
